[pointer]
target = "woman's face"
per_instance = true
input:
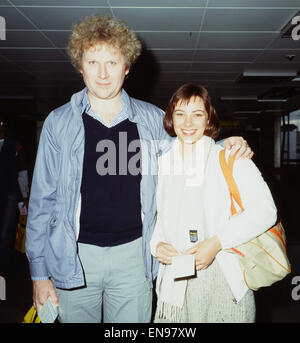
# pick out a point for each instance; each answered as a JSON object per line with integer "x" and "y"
{"x": 190, "y": 120}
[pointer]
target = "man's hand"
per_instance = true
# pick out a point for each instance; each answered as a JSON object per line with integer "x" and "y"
{"x": 165, "y": 252}
{"x": 238, "y": 143}
{"x": 42, "y": 289}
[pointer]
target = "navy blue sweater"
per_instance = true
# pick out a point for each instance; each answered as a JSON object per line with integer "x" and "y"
{"x": 110, "y": 189}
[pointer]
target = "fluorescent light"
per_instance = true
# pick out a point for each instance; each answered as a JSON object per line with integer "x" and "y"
{"x": 270, "y": 73}
{"x": 274, "y": 111}
{"x": 248, "y": 112}
{"x": 272, "y": 100}
{"x": 238, "y": 98}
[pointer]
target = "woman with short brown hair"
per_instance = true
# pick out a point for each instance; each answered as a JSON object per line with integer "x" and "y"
{"x": 193, "y": 219}
{"x": 184, "y": 94}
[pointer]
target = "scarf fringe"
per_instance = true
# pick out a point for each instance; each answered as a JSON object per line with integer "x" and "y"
{"x": 170, "y": 312}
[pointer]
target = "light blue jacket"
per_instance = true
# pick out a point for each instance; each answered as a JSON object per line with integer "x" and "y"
{"x": 51, "y": 242}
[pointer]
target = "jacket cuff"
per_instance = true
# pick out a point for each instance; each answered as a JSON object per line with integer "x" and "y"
{"x": 39, "y": 278}
{"x": 38, "y": 271}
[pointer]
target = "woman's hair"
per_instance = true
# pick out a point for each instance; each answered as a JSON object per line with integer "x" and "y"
{"x": 184, "y": 94}
{"x": 97, "y": 29}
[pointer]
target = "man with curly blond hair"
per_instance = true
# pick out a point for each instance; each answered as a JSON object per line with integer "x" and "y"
{"x": 92, "y": 208}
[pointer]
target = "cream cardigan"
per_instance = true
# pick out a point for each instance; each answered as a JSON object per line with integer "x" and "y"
{"x": 259, "y": 215}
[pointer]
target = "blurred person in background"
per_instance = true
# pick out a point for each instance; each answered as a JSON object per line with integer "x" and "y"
{"x": 14, "y": 190}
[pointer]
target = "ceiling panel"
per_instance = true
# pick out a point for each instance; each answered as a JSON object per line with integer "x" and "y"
{"x": 246, "y": 19}
{"x": 285, "y": 43}
{"x": 59, "y": 18}
{"x": 279, "y": 56}
{"x": 70, "y": 3}
{"x": 161, "y": 19}
{"x": 172, "y": 55}
{"x": 14, "y": 19}
{"x": 197, "y": 76}
{"x": 59, "y": 38}
{"x": 159, "y": 3}
{"x": 33, "y": 54}
{"x": 253, "y": 3}
{"x": 226, "y": 55}
{"x": 15, "y": 77}
{"x": 169, "y": 39}
{"x": 205, "y": 41}
{"x": 235, "y": 40}
{"x": 271, "y": 65}
{"x": 150, "y": 39}
{"x": 218, "y": 67}
{"x": 48, "y": 67}
{"x": 25, "y": 39}
{"x": 9, "y": 67}
{"x": 171, "y": 66}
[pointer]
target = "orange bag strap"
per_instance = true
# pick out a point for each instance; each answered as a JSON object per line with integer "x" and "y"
{"x": 227, "y": 168}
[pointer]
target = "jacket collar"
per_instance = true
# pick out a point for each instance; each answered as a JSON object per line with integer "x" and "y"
{"x": 79, "y": 104}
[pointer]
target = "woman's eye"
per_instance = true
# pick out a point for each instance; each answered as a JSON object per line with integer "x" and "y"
{"x": 112, "y": 62}
{"x": 92, "y": 62}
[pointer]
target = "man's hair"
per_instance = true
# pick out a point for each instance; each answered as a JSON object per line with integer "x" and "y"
{"x": 97, "y": 29}
{"x": 184, "y": 94}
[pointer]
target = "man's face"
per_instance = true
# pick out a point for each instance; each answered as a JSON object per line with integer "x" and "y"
{"x": 103, "y": 69}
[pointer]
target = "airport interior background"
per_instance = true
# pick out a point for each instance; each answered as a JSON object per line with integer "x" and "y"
{"x": 247, "y": 54}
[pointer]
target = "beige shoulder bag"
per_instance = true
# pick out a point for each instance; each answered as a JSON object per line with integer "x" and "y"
{"x": 264, "y": 259}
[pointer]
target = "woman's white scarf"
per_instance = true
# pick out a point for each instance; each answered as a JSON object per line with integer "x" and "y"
{"x": 170, "y": 291}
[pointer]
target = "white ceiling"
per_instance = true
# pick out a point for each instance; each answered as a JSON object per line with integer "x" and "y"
{"x": 205, "y": 41}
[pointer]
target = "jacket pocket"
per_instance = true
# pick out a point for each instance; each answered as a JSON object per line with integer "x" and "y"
{"x": 54, "y": 219}
{"x": 52, "y": 222}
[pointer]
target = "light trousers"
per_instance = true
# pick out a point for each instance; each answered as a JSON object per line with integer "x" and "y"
{"x": 116, "y": 288}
